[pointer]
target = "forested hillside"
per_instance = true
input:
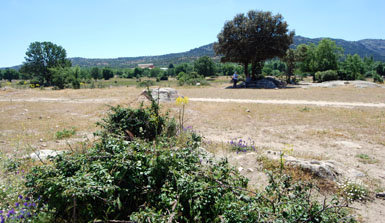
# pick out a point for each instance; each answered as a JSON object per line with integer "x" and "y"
{"x": 160, "y": 61}
{"x": 366, "y": 47}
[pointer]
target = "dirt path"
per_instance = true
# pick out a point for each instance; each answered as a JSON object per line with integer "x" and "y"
{"x": 62, "y": 100}
{"x": 221, "y": 100}
{"x": 292, "y": 102}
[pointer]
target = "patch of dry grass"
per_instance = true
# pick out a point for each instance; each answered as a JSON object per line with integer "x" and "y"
{"x": 340, "y": 94}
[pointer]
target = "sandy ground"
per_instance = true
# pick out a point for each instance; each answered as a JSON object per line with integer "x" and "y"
{"x": 319, "y": 123}
{"x": 221, "y": 100}
{"x": 292, "y": 102}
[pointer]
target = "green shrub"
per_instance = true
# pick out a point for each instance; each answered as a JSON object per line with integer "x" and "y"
{"x": 92, "y": 84}
{"x": 138, "y": 181}
{"x": 21, "y": 82}
{"x": 352, "y": 191}
{"x": 34, "y": 82}
{"x": 192, "y": 78}
{"x": 328, "y": 75}
{"x": 370, "y": 73}
{"x": 65, "y": 133}
{"x": 143, "y": 123}
{"x": 75, "y": 84}
{"x": 276, "y": 73}
{"x": 241, "y": 145}
{"x": 377, "y": 78}
{"x": 15, "y": 205}
{"x": 163, "y": 76}
{"x": 65, "y": 78}
{"x": 360, "y": 77}
{"x": 364, "y": 158}
{"x": 145, "y": 83}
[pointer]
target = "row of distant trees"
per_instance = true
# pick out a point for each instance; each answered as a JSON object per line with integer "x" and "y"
{"x": 324, "y": 61}
{"x": 305, "y": 60}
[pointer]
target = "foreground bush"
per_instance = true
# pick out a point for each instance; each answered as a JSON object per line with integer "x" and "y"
{"x": 143, "y": 123}
{"x": 168, "y": 180}
{"x": 139, "y": 181}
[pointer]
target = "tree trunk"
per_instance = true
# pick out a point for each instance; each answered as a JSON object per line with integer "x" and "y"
{"x": 256, "y": 68}
{"x": 246, "y": 67}
{"x": 289, "y": 74}
{"x": 253, "y": 70}
{"x": 288, "y": 78}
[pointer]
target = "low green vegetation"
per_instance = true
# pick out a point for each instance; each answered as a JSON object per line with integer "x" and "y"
{"x": 65, "y": 133}
{"x": 352, "y": 191}
{"x": 145, "y": 83}
{"x": 192, "y": 78}
{"x": 377, "y": 78}
{"x": 366, "y": 159}
{"x": 242, "y": 145}
{"x": 142, "y": 123}
{"x": 328, "y": 75}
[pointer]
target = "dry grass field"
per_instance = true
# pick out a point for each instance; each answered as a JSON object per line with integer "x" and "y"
{"x": 352, "y": 136}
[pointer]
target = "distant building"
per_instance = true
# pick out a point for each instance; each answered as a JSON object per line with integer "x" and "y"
{"x": 146, "y": 65}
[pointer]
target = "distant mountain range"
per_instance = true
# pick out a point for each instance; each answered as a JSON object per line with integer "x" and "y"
{"x": 159, "y": 61}
{"x": 365, "y": 47}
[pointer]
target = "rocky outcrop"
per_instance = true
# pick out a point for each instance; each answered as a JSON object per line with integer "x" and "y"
{"x": 381, "y": 195}
{"x": 161, "y": 94}
{"x": 264, "y": 83}
{"x": 326, "y": 169}
{"x": 331, "y": 84}
{"x": 44, "y": 154}
{"x": 322, "y": 169}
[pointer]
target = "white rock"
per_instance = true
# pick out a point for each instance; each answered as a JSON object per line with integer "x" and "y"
{"x": 348, "y": 144}
{"x": 240, "y": 169}
{"x": 355, "y": 173}
{"x": 164, "y": 94}
{"x": 44, "y": 154}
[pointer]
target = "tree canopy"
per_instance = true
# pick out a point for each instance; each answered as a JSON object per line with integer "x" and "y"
{"x": 321, "y": 57}
{"x": 41, "y": 56}
{"x": 10, "y": 74}
{"x": 204, "y": 66}
{"x": 107, "y": 73}
{"x": 253, "y": 38}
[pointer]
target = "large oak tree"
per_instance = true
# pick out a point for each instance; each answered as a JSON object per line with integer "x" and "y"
{"x": 252, "y": 39}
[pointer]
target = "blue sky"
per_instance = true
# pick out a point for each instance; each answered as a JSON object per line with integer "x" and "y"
{"x": 123, "y": 28}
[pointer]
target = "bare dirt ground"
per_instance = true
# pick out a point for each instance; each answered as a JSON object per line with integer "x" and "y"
{"x": 319, "y": 123}
{"x": 291, "y": 102}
